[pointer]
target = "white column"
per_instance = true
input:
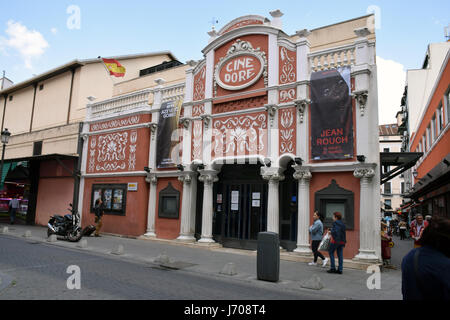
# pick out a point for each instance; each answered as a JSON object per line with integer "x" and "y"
{"x": 368, "y": 234}
{"x": 303, "y": 175}
{"x": 186, "y": 233}
{"x": 151, "y": 213}
{"x": 208, "y": 177}
{"x": 83, "y": 169}
{"x": 273, "y": 202}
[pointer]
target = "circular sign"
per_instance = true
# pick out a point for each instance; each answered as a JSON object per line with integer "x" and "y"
{"x": 239, "y": 71}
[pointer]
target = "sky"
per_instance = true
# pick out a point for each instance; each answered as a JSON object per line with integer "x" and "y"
{"x": 36, "y": 36}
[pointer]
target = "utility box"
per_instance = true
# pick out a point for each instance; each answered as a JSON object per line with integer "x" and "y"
{"x": 268, "y": 256}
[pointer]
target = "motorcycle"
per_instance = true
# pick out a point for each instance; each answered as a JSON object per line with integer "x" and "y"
{"x": 67, "y": 226}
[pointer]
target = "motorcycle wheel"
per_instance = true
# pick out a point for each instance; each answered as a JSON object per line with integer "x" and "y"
{"x": 75, "y": 235}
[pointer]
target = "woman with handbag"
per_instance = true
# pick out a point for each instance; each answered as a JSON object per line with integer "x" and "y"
{"x": 338, "y": 241}
{"x": 316, "y": 231}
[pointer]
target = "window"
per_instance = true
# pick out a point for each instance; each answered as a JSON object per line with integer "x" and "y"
{"x": 433, "y": 129}
{"x": 402, "y": 187}
{"x": 386, "y": 150}
{"x": 387, "y": 204}
{"x": 113, "y": 197}
{"x": 169, "y": 203}
{"x": 387, "y": 188}
{"x": 334, "y": 198}
{"x": 10, "y": 98}
{"x": 440, "y": 119}
{"x": 37, "y": 148}
{"x": 41, "y": 87}
{"x": 447, "y": 105}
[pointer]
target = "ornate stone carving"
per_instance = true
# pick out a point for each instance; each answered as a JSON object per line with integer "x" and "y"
{"x": 301, "y": 106}
{"x": 273, "y": 177}
{"x": 361, "y": 98}
{"x": 302, "y": 174}
{"x": 367, "y": 173}
{"x": 208, "y": 178}
{"x": 185, "y": 178}
{"x": 151, "y": 178}
{"x": 185, "y": 122}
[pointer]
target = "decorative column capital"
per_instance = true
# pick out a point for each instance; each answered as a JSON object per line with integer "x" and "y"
{"x": 271, "y": 109}
{"x": 185, "y": 122}
{"x": 361, "y": 98}
{"x": 208, "y": 177}
{"x": 301, "y": 106}
{"x": 187, "y": 176}
{"x": 272, "y": 175}
{"x": 151, "y": 178}
{"x": 302, "y": 173}
{"x": 206, "y": 119}
{"x": 364, "y": 173}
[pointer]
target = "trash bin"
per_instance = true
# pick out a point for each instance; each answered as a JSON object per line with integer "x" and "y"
{"x": 268, "y": 256}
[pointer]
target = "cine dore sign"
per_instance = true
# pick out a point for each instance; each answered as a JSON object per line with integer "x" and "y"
{"x": 241, "y": 67}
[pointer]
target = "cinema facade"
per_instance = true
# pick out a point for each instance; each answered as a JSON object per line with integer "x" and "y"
{"x": 262, "y": 131}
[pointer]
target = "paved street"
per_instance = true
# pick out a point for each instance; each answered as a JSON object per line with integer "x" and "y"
{"x": 33, "y": 268}
{"x": 39, "y": 272}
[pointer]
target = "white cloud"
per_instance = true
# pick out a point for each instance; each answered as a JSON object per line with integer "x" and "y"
{"x": 29, "y": 43}
{"x": 391, "y": 85}
{"x": 54, "y": 30}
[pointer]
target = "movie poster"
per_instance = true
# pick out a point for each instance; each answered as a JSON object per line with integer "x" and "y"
{"x": 167, "y": 138}
{"x": 331, "y": 115}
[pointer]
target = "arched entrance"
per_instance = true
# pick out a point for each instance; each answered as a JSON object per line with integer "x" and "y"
{"x": 288, "y": 189}
{"x": 240, "y": 206}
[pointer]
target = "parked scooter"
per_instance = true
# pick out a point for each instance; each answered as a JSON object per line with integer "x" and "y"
{"x": 67, "y": 226}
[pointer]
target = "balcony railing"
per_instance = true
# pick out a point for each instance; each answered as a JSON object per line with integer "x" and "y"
{"x": 332, "y": 58}
{"x": 134, "y": 100}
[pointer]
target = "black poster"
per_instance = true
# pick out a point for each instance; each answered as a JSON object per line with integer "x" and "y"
{"x": 167, "y": 138}
{"x": 331, "y": 115}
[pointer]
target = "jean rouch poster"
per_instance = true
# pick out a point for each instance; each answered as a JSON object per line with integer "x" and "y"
{"x": 167, "y": 137}
{"x": 331, "y": 115}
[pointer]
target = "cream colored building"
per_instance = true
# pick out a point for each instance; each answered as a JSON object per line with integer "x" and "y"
{"x": 44, "y": 114}
{"x": 391, "y": 191}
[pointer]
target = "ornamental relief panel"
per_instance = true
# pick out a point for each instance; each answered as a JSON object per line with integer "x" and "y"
{"x": 288, "y": 66}
{"x": 240, "y": 135}
{"x": 113, "y": 152}
{"x": 287, "y": 128}
{"x": 116, "y": 123}
{"x": 199, "y": 85}
{"x": 197, "y": 140}
{"x": 287, "y": 95}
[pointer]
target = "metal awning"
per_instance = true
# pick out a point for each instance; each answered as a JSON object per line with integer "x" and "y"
{"x": 401, "y": 161}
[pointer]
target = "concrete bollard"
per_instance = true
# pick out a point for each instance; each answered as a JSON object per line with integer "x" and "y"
{"x": 229, "y": 269}
{"x": 27, "y": 234}
{"x": 118, "y": 251}
{"x": 5, "y": 230}
{"x": 82, "y": 244}
{"x": 314, "y": 283}
{"x": 52, "y": 238}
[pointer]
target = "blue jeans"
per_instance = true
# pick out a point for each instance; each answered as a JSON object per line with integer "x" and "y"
{"x": 12, "y": 214}
{"x": 339, "y": 248}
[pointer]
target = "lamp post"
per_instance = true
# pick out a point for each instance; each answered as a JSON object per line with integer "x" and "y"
{"x": 5, "y": 139}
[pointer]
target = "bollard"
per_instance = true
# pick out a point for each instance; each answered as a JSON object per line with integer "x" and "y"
{"x": 118, "y": 250}
{"x": 229, "y": 269}
{"x": 82, "y": 243}
{"x": 268, "y": 256}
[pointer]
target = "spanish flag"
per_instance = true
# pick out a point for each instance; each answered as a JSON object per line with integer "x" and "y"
{"x": 114, "y": 67}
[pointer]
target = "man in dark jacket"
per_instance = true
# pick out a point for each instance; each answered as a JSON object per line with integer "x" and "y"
{"x": 98, "y": 211}
{"x": 426, "y": 269}
{"x": 337, "y": 244}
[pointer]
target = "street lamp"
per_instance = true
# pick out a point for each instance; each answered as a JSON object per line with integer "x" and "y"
{"x": 5, "y": 139}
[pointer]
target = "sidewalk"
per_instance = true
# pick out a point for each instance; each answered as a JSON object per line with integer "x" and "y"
{"x": 294, "y": 272}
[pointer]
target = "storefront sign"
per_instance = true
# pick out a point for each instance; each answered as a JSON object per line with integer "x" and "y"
{"x": 242, "y": 67}
{"x": 331, "y": 115}
{"x": 132, "y": 186}
{"x": 167, "y": 138}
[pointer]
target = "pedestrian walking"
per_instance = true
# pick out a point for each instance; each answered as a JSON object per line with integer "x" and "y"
{"x": 402, "y": 227}
{"x": 98, "y": 211}
{"x": 417, "y": 228}
{"x": 338, "y": 240}
{"x": 316, "y": 231}
{"x": 13, "y": 206}
{"x": 426, "y": 269}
